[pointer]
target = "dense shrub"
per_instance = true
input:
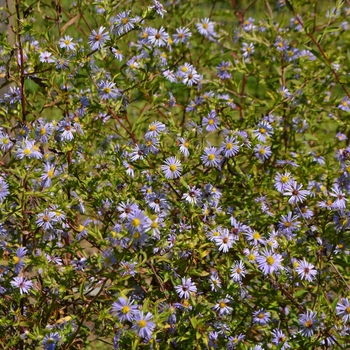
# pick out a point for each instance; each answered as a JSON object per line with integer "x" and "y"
{"x": 175, "y": 177}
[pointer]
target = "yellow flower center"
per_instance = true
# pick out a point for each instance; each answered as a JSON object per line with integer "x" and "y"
{"x": 211, "y": 156}
{"x": 154, "y": 224}
{"x": 229, "y": 145}
{"x": 308, "y": 324}
{"x": 50, "y": 173}
{"x": 270, "y": 260}
{"x": 16, "y": 260}
{"x": 107, "y": 90}
{"x": 125, "y": 309}
{"x": 42, "y": 131}
{"x": 27, "y": 151}
{"x": 222, "y": 304}
{"x": 211, "y": 121}
{"x": 256, "y": 235}
{"x": 136, "y": 222}
{"x": 262, "y": 130}
{"x": 152, "y": 128}
{"x": 205, "y": 25}
{"x": 125, "y": 20}
{"x": 142, "y": 323}
{"x": 172, "y": 167}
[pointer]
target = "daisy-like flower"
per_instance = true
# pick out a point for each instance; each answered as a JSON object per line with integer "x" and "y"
{"x": 28, "y": 149}
{"x": 340, "y": 202}
{"x": 247, "y": 50}
{"x": 4, "y": 189}
{"x": 279, "y": 338}
{"x": 155, "y": 129}
{"x": 124, "y": 309}
{"x": 215, "y": 282}
{"x": 345, "y": 104}
{"x": 205, "y": 27}
{"x": 305, "y": 270}
{"x": 211, "y": 157}
{"x": 23, "y": 284}
{"x": 123, "y": 23}
{"x": 182, "y": 35}
{"x": 107, "y": 90}
{"x": 223, "y": 70}
{"x": 19, "y": 259}
{"x": 261, "y": 316}
{"x": 254, "y": 236}
{"x": 190, "y": 77}
{"x": 284, "y": 92}
{"x": 67, "y": 43}
{"x": 211, "y": 122}
{"x": 238, "y": 271}
{"x": 45, "y": 220}
{"x": 187, "y": 287}
{"x": 193, "y": 196}
{"x": 308, "y": 323}
{"x": 5, "y": 142}
{"x": 224, "y": 241}
{"x": 143, "y": 324}
{"x": 48, "y": 174}
{"x": 158, "y": 37}
{"x": 184, "y": 144}
{"x": 45, "y": 57}
{"x": 295, "y": 192}
{"x": 117, "y": 54}
{"x": 172, "y": 168}
{"x": 343, "y": 309}
{"x": 262, "y": 152}
{"x": 269, "y": 261}
{"x": 137, "y": 221}
{"x": 282, "y": 181}
{"x": 222, "y": 307}
{"x": 230, "y": 147}
{"x": 159, "y": 8}
{"x": 97, "y": 39}
{"x": 263, "y": 131}
{"x": 50, "y": 341}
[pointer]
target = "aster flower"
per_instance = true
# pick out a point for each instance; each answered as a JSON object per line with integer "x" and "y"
{"x": 254, "y": 236}
{"x": 143, "y": 324}
{"x": 343, "y": 309}
{"x": 184, "y": 144}
{"x": 182, "y": 35}
{"x": 97, "y": 39}
{"x": 159, "y": 8}
{"x": 211, "y": 122}
{"x": 45, "y": 57}
{"x": 211, "y": 157}
{"x": 5, "y": 142}
{"x": 263, "y": 131}
{"x": 295, "y": 192}
{"x": 215, "y": 282}
{"x": 282, "y": 181}
{"x": 193, "y": 196}
{"x": 45, "y": 220}
{"x": 238, "y": 271}
{"x": 187, "y": 287}
{"x": 50, "y": 341}
{"x": 345, "y": 104}
{"x": 205, "y": 27}
{"x": 19, "y": 259}
{"x": 67, "y": 43}
{"x": 340, "y": 202}
{"x": 247, "y": 50}
{"x": 123, "y": 23}
{"x": 262, "y": 152}
{"x": 224, "y": 241}
{"x": 136, "y": 221}
{"x": 308, "y": 323}
{"x": 4, "y": 189}
{"x": 223, "y": 70}
{"x": 172, "y": 168}
{"x": 269, "y": 261}
{"x": 124, "y": 309}
{"x": 279, "y": 338}
{"x": 22, "y": 283}
{"x": 126, "y": 209}
{"x": 155, "y": 129}
{"x": 158, "y": 37}
{"x": 28, "y": 149}
{"x": 261, "y": 316}
{"x": 305, "y": 270}
{"x": 107, "y": 90}
{"x": 222, "y": 307}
